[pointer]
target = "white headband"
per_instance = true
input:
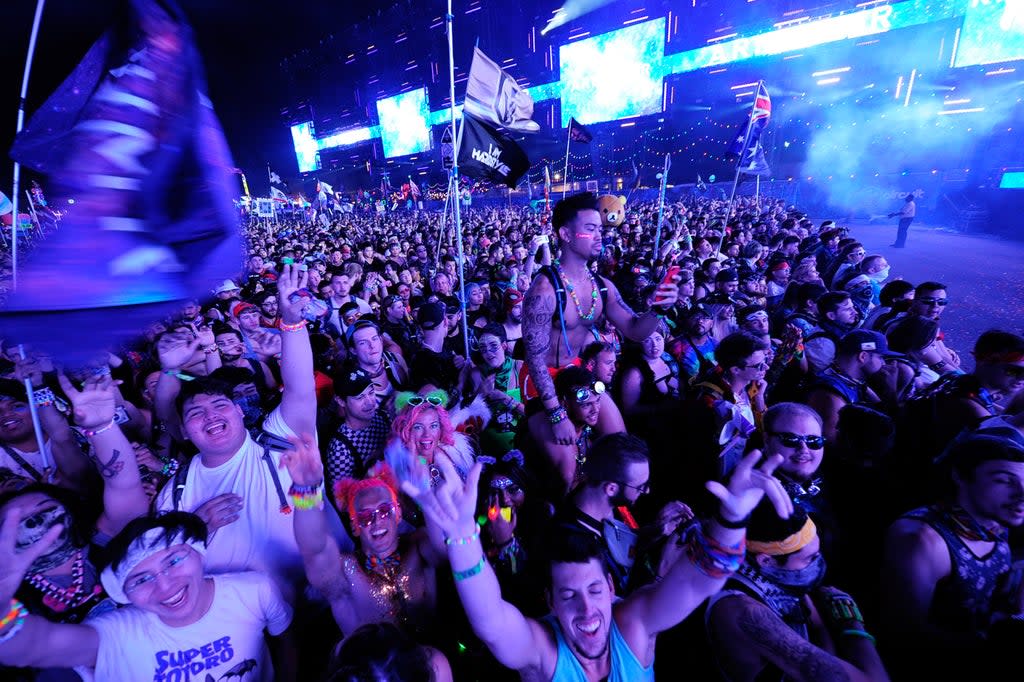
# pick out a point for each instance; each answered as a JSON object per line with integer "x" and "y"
{"x": 143, "y": 547}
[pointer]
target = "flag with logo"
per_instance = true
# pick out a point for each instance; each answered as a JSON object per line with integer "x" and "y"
{"x": 132, "y": 137}
{"x": 486, "y": 152}
{"x": 493, "y": 95}
{"x": 278, "y": 196}
{"x": 577, "y": 133}
{"x": 751, "y": 157}
{"x": 414, "y": 189}
{"x": 275, "y": 179}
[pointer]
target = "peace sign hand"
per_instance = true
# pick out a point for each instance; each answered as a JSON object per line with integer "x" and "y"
{"x": 748, "y": 485}
{"x": 14, "y": 563}
{"x": 93, "y": 405}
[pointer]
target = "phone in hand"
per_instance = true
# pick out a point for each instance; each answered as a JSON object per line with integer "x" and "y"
{"x": 669, "y": 278}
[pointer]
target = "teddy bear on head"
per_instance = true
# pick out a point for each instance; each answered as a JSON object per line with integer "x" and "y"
{"x": 612, "y": 210}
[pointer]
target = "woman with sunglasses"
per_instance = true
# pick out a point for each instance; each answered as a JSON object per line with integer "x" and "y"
{"x": 426, "y": 433}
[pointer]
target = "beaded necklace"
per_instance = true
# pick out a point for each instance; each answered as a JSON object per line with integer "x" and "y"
{"x": 59, "y": 599}
{"x": 571, "y": 288}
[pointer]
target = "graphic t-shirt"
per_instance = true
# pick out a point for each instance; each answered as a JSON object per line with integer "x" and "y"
{"x": 225, "y": 644}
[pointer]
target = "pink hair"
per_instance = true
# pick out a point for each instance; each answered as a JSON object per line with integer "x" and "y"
{"x": 402, "y": 426}
{"x": 347, "y": 489}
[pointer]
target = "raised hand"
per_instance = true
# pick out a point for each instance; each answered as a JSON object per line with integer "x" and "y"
{"x": 94, "y": 405}
{"x": 204, "y": 334}
{"x": 289, "y": 281}
{"x": 303, "y": 461}
{"x": 220, "y": 511}
{"x": 671, "y": 515}
{"x": 747, "y": 485}
{"x": 451, "y": 504}
{"x": 176, "y": 349}
{"x": 14, "y": 562}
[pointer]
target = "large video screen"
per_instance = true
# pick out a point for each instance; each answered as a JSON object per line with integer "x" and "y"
{"x": 993, "y": 31}
{"x": 404, "y": 123}
{"x": 306, "y": 147}
{"x": 614, "y": 75}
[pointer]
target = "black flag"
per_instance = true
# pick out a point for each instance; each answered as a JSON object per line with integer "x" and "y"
{"x": 485, "y": 152}
{"x": 577, "y": 133}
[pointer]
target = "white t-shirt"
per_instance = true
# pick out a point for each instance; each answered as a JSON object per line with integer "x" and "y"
{"x": 33, "y": 459}
{"x": 136, "y": 646}
{"x": 263, "y": 538}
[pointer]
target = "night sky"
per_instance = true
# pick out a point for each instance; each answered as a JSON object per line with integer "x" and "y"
{"x": 242, "y": 42}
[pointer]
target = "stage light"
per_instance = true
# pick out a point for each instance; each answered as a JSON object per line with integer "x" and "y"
{"x": 630, "y": 58}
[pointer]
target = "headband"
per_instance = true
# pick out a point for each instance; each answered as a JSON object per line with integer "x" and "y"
{"x": 781, "y": 265}
{"x": 794, "y": 543}
{"x": 143, "y": 547}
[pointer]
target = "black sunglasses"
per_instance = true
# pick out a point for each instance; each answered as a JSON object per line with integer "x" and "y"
{"x": 941, "y": 302}
{"x": 793, "y": 440}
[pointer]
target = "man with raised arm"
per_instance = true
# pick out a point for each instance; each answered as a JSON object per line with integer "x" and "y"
{"x": 566, "y": 300}
{"x": 587, "y": 636}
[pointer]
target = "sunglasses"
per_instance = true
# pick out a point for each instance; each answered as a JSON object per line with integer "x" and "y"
{"x": 941, "y": 302}
{"x": 759, "y": 366}
{"x": 585, "y": 393}
{"x": 420, "y": 399}
{"x": 367, "y": 518}
{"x": 642, "y": 489}
{"x": 793, "y": 440}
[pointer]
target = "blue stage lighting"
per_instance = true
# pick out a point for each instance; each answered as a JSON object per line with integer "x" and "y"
{"x": 993, "y": 31}
{"x": 614, "y": 75}
{"x": 404, "y": 126}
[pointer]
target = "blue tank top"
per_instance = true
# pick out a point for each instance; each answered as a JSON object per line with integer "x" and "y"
{"x": 624, "y": 665}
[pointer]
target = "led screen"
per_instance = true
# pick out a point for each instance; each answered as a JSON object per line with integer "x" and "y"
{"x": 613, "y": 75}
{"x": 1012, "y": 180}
{"x": 305, "y": 147}
{"x": 993, "y": 31}
{"x": 404, "y": 123}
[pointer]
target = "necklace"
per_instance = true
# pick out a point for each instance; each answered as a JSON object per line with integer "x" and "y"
{"x": 969, "y": 528}
{"x": 60, "y": 599}
{"x": 571, "y": 288}
{"x": 583, "y": 445}
{"x": 382, "y": 565}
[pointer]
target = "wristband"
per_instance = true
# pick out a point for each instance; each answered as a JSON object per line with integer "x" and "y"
{"x": 557, "y": 415}
{"x": 731, "y": 525}
{"x": 88, "y": 433}
{"x": 843, "y": 608}
{"x": 465, "y": 540}
{"x": 307, "y": 497}
{"x": 169, "y": 468}
{"x": 44, "y": 397}
{"x": 298, "y": 326}
{"x": 15, "y": 615}
{"x": 469, "y": 572}
{"x": 860, "y": 633}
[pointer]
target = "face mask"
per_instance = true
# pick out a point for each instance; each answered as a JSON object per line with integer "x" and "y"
{"x": 34, "y": 527}
{"x": 880, "y": 276}
{"x": 804, "y": 580}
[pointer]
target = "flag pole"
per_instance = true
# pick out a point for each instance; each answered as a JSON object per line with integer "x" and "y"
{"x": 661, "y": 208}
{"x": 565, "y": 174}
{"x": 449, "y": 20}
{"x": 20, "y": 125}
{"x": 739, "y": 162}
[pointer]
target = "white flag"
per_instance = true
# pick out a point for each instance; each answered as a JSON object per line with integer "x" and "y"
{"x": 278, "y": 195}
{"x": 494, "y": 96}
{"x": 275, "y": 179}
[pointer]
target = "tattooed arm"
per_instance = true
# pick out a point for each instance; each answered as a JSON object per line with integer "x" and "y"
{"x": 538, "y": 312}
{"x": 634, "y": 327}
{"x": 114, "y": 457}
{"x": 747, "y": 635}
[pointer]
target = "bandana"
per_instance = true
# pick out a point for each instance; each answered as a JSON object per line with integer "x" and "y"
{"x": 794, "y": 543}
{"x": 143, "y": 547}
{"x": 781, "y": 265}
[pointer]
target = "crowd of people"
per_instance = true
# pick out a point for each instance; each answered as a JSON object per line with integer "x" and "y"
{"x": 736, "y": 450}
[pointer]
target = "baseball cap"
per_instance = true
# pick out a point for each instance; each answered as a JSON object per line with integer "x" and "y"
{"x": 860, "y": 340}
{"x": 351, "y": 383}
{"x": 240, "y": 308}
{"x": 430, "y": 314}
{"x": 225, "y": 286}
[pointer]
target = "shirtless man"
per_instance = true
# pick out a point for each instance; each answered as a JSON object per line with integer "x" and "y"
{"x": 553, "y": 343}
{"x": 390, "y": 577}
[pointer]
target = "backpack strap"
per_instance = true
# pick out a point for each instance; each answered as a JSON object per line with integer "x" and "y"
{"x": 31, "y": 470}
{"x": 178, "y": 485}
{"x": 556, "y": 283}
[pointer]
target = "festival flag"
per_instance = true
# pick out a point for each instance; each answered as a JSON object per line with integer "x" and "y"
{"x": 700, "y": 184}
{"x": 547, "y": 182}
{"x": 278, "y": 196}
{"x": 414, "y": 189}
{"x": 275, "y": 179}
{"x": 322, "y": 188}
{"x": 493, "y": 95}
{"x": 132, "y": 137}
{"x": 577, "y": 133}
{"x": 752, "y": 156}
{"x": 485, "y": 152}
